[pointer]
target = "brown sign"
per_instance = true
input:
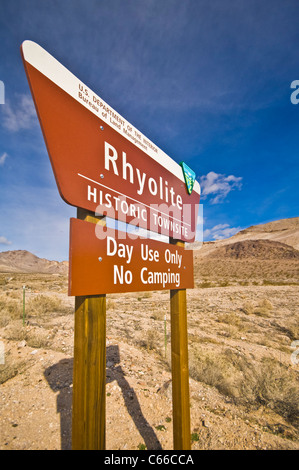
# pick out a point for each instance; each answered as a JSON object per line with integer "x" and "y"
{"x": 105, "y": 261}
{"x": 100, "y": 161}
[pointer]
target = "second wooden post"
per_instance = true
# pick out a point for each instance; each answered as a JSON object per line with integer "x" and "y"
{"x": 179, "y": 367}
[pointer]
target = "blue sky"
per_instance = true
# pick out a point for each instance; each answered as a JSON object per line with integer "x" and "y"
{"x": 209, "y": 82}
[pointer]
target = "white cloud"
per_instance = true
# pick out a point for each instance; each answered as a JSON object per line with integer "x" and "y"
{"x": 220, "y": 231}
{"x": 3, "y": 157}
{"x": 21, "y": 115}
{"x": 4, "y": 241}
{"x": 2, "y": 92}
{"x": 199, "y": 225}
{"x": 219, "y": 186}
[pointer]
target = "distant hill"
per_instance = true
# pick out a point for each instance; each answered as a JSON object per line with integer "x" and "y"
{"x": 22, "y": 261}
{"x": 259, "y": 249}
{"x": 265, "y": 254}
{"x": 284, "y": 231}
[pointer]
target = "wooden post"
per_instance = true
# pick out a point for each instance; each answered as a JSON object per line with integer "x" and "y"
{"x": 89, "y": 374}
{"x": 179, "y": 366}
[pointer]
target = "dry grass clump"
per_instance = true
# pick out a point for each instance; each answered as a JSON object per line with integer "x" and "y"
{"x": 230, "y": 319}
{"x": 144, "y": 295}
{"x": 150, "y": 340}
{"x": 263, "y": 308}
{"x": 10, "y": 309}
{"x": 248, "y": 308}
{"x": 158, "y": 315}
{"x": 235, "y": 324}
{"x": 110, "y": 304}
{"x": 274, "y": 385}
{"x": 33, "y": 327}
{"x": 43, "y": 305}
{"x": 293, "y": 330}
{"x": 38, "y": 339}
{"x": 34, "y": 337}
{"x": 214, "y": 370}
{"x": 15, "y": 331}
{"x": 268, "y": 383}
{"x": 289, "y": 328}
{"x": 11, "y": 368}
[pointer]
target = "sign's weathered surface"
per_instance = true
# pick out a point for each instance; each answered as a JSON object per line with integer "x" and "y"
{"x": 100, "y": 161}
{"x": 105, "y": 261}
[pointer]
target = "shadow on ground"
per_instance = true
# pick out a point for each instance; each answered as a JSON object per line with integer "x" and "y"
{"x": 60, "y": 378}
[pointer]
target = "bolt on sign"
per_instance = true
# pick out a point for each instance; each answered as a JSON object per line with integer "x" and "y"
{"x": 101, "y": 162}
{"x": 104, "y": 261}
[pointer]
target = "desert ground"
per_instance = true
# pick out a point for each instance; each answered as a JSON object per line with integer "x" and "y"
{"x": 243, "y": 334}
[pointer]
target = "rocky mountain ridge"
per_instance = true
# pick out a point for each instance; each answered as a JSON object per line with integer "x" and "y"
{"x": 22, "y": 261}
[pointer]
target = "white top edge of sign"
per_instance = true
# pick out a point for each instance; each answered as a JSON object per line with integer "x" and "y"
{"x": 62, "y": 77}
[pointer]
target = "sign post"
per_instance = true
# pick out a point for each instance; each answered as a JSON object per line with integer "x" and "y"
{"x": 179, "y": 368}
{"x": 104, "y": 165}
{"x": 89, "y": 372}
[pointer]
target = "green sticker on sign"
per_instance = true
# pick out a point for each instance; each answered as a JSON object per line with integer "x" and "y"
{"x": 189, "y": 176}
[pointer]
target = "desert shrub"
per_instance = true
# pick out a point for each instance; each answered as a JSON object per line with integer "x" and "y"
{"x": 11, "y": 368}
{"x": 144, "y": 295}
{"x": 205, "y": 284}
{"x": 194, "y": 437}
{"x": 268, "y": 383}
{"x": 4, "y": 319}
{"x": 248, "y": 308}
{"x": 212, "y": 369}
{"x": 34, "y": 337}
{"x": 110, "y": 304}
{"x": 157, "y": 315}
{"x": 274, "y": 385}
{"x": 265, "y": 303}
{"x": 264, "y": 308}
{"x": 43, "y": 305}
{"x": 37, "y": 339}
{"x": 10, "y": 309}
{"x": 267, "y": 282}
{"x": 224, "y": 284}
{"x": 15, "y": 331}
{"x": 141, "y": 446}
{"x": 230, "y": 319}
{"x": 292, "y": 330}
{"x": 150, "y": 340}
